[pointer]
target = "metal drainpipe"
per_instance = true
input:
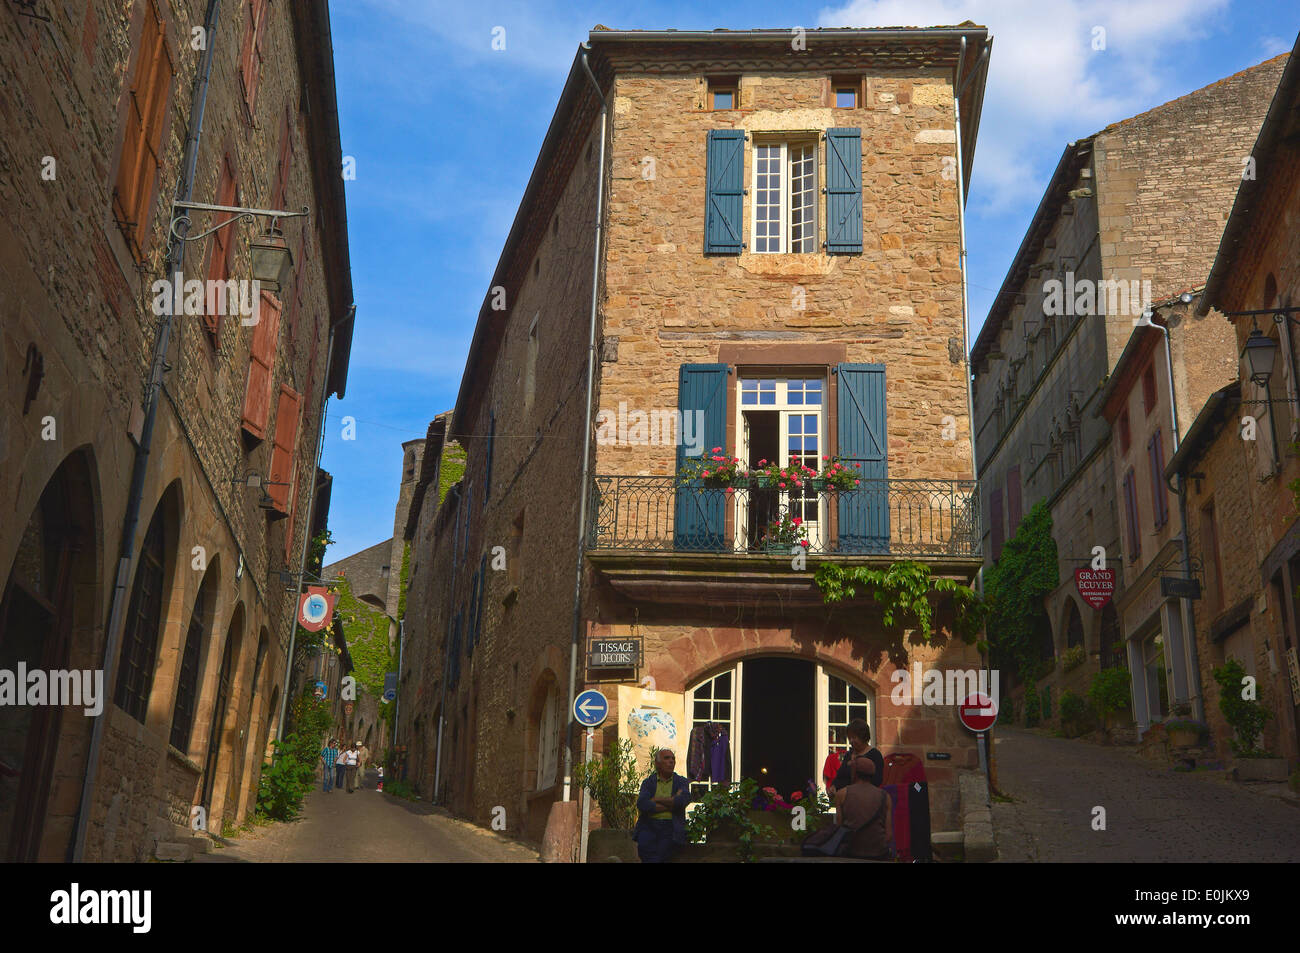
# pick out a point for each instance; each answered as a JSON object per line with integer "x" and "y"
{"x": 172, "y": 264}
{"x": 1188, "y": 611}
{"x": 965, "y": 319}
{"x": 586, "y": 438}
{"x": 311, "y": 502}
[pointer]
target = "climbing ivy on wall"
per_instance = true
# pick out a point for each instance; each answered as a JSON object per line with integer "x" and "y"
{"x": 1014, "y": 590}
{"x": 366, "y": 629}
{"x": 903, "y": 590}
{"x": 451, "y": 470}
{"x": 402, "y": 581}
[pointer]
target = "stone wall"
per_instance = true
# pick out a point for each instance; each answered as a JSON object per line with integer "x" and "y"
{"x": 69, "y": 288}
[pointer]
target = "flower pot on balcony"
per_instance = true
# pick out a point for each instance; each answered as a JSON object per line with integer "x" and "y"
{"x": 819, "y": 484}
{"x": 778, "y": 549}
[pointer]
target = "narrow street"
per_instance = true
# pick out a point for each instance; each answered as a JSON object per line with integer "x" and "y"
{"x": 370, "y": 827}
{"x": 1153, "y": 813}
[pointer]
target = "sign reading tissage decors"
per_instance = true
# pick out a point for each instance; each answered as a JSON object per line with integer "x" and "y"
{"x": 614, "y": 653}
{"x": 315, "y": 608}
{"x": 1096, "y": 586}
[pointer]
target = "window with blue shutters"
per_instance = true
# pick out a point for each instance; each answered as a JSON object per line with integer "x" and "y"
{"x": 699, "y": 512}
{"x": 843, "y": 191}
{"x": 725, "y": 175}
{"x": 863, "y": 446}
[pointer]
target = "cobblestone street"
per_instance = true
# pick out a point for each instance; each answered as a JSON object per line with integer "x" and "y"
{"x": 370, "y": 827}
{"x": 1152, "y": 812}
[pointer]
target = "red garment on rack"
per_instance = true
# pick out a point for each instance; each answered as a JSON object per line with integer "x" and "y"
{"x": 831, "y": 768}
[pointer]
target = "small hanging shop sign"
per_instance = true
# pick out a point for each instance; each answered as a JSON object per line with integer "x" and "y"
{"x": 1179, "y": 587}
{"x": 614, "y": 653}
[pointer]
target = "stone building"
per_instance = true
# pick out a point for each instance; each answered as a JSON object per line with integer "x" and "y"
{"x": 1240, "y": 457}
{"x": 742, "y": 310}
{"x": 375, "y": 579}
{"x": 1147, "y": 418}
{"x": 1131, "y": 215}
{"x": 186, "y": 619}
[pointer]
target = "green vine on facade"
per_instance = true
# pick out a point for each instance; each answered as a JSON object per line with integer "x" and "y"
{"x": 1014, "y": 591}
{"x": 904, "y": 591}
{"x": 366, "y": 629}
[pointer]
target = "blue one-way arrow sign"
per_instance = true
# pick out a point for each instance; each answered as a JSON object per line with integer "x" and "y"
{"x": 590, "y": 708}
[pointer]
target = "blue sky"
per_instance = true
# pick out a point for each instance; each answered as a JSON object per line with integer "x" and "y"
{"x": 445, "y": 130}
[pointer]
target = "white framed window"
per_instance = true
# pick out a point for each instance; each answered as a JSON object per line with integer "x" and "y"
{"x": 717, "y": 700}
{"x": 780, "y": 419}
{"x": 785, "y": 197}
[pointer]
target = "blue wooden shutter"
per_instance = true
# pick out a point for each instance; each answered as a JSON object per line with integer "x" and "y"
{"x": 843, "y": 191}
{"x": 699, "y": 515}
{"x": 725, "y": 174}
{"x": 864, "y": 510}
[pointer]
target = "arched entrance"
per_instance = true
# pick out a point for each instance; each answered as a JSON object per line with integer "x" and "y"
{"x": 783, "y": 716}
{"x": 38, "y": 622}
{"x": 225, "y": 683}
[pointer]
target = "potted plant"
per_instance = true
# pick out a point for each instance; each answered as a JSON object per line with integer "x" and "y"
{"x": 838, "y": 476}
{"x": 1246, "y": 717}
{"x": 713, "y": 470}
{"x": 1109, "y": 693}
{"x": 790, "y": 476}
{"x": 723, "y": 815}
{"x": 1186, "y": 732}
{"x": 614, "y": 782}
{"x": 784, "y": 533}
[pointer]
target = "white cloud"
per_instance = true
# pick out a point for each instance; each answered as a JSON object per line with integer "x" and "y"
{"x": 1047, "y": 85}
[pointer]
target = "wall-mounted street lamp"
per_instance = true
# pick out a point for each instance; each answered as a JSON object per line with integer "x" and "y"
{"x": 252, "y": 480}
{"x": 272, "y": 260}
{"x": 1260, "y": 353}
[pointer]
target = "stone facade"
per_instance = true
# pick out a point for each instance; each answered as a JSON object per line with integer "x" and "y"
{"x": 489, "y": 629}
{"x": 77, "y": 323}
{"x": 1129, "y": 205}
{"x": 1243, "y": 468}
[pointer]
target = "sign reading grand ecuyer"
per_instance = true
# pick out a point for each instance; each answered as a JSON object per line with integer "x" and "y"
{"x": 1096, "y": 586}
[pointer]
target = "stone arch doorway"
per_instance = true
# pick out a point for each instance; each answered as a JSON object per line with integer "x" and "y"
{"x": 46, "y": 609}
{"x": 1073, "y": 625}
{"x": 212, "y": 760}
{"x": 784, "y": 716}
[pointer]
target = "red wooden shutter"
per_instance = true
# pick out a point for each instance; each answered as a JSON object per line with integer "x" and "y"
{"x": 289, "y": 526}
{"x": 1159, "y": 498}
{"x": 261, "y": 366}
{"x": 1131, "y": 515}
{"x": 282, "y": 454}
{"x": 995, "y": 523}
{"x": 1013, "y": 499}
{"x": 250, "y": 54}
{"x": 137, "y": 170}
{"x": 221, "y": 252}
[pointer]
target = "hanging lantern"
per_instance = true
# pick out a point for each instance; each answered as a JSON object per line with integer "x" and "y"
{"x": 272, "y": 260}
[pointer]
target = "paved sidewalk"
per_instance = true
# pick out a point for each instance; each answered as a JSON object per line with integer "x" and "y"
{"x": 1153, "y": 813}
{"x": 368, "y": 826}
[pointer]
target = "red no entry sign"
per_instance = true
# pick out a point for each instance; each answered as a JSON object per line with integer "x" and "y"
{"x": 978, "y": 712}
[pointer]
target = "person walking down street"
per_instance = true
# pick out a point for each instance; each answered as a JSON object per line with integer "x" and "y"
{"x": 340, "y": 766}
{"x": 859, "y": 734}
{"x": 329, "y": 755}
{"x": 661, "y": 825}
{"x": 866, "y": 811}
{"x": 351, "y": 762}
{"x": 363, "y": 759}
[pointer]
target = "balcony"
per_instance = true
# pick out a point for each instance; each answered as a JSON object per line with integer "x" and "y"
{"x": 896, "y": 519}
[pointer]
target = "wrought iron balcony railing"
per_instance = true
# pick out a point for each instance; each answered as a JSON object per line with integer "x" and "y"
{"x": 913, "y": 518}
